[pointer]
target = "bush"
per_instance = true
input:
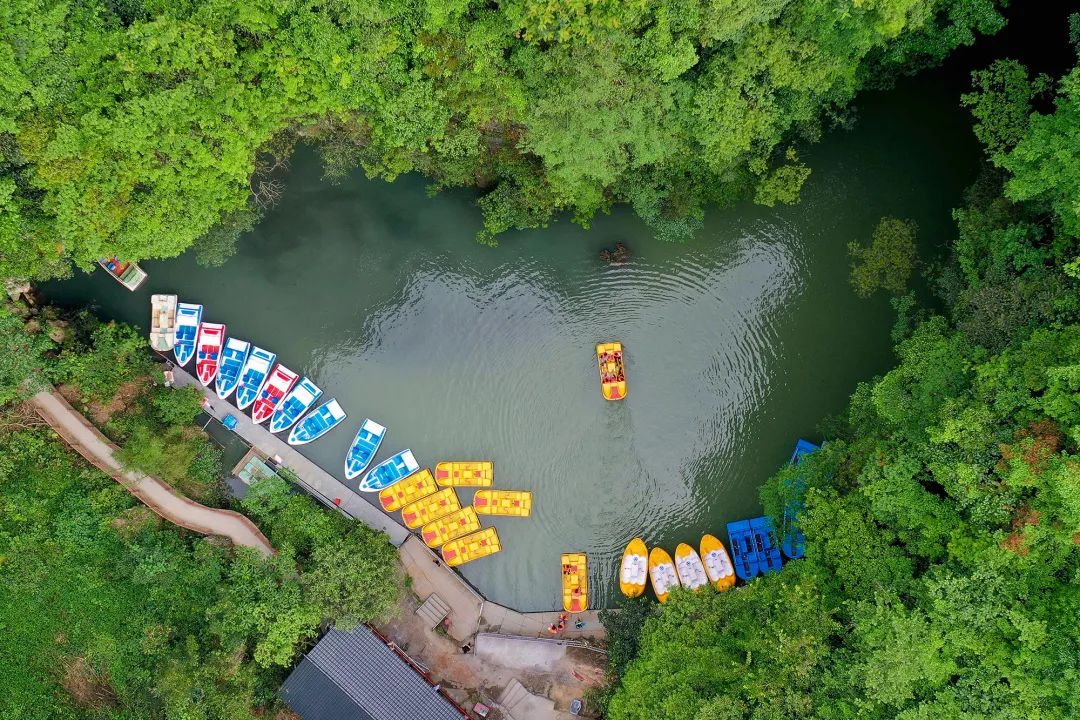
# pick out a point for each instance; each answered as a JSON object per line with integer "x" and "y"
{"x": 887, "y": 263}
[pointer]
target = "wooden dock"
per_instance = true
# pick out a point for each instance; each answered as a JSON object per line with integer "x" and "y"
{"x": 321, "y": 484}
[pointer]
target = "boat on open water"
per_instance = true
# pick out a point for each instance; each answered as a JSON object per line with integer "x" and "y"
{"x": 162, "y": 322}
{"x": 389, "y": 471}
{"x": 128, "y": 274}
{"x": 515, "y": 503}
{"x": 474, "y": 473}
{"x": 253, "y": 376}
{"x": 188, "y": 319}
{"x": 233, "y": 356}
{"x": 208, "y": 351}
{"x": 299, "y": 400}
{"x": 609, "y": 356}
{"x": 317, "y": 423}
{"x": 363, "y": 448}
{"x": 743, "y": 553}
{"x": 277, "y": 386}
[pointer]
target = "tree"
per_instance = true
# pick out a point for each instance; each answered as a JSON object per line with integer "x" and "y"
{"x": 889, "y": 260}
{"x": 23, "y": 368}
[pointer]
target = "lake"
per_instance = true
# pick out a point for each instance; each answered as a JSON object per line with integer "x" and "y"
{"x": 737, "y": 343}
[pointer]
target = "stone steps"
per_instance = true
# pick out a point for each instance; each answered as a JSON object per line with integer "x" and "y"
{"x": 513, "y": 694}
{"x": 433, "y": 610}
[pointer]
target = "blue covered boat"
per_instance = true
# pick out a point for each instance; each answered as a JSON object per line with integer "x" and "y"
{"x": 389, "y": 472}
{"x": 233, "y": 356}
{"x": 253, "y": 376}
{"x": 188, "y": 319}
{"x": 294, "y": 405}
{"x": 363, "y": 448}
{"x": 317, "y": 423}
{"x": 765, "y": 544}
{"x": 743, "y": 552}
{"x": 794, "y": 542}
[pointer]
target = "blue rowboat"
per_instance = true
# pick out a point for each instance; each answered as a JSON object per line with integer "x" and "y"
{"x": 743, "y": 552}
{"x": 363, "y": 448}
{"x": 765, "y": 543}
{"x": 233, "y": 356}
{"x": 296, "y": 403}
{"x": 253, "y": 376}
{"x": 389, "y": 472}
{"x": 794, "y": 542}
{"x": 317, "y": 423}
{"x": 188, "y": 317}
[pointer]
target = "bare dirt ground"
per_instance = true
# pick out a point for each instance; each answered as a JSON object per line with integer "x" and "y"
{"x": 471, "y": 678}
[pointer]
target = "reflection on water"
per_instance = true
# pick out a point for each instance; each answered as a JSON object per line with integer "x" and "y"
{"x": 736, "y": 343}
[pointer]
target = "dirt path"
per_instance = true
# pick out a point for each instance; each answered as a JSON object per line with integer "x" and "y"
{"x": 85, "y": 439}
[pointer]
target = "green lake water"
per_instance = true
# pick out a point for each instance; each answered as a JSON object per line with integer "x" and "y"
{"x": 737, "y": 343}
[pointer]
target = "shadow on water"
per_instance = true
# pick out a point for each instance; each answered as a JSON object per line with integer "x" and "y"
{"x": 737, "y": 342}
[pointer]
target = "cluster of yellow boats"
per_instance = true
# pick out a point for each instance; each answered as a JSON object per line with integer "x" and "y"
{"x": 688, "y": 569}
{"x": 430, "y": 503}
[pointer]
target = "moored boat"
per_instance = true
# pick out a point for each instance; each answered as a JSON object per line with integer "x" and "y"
{"x": 480, "y": 473}
{"x": 609, "y": 356}
{"x": 299, "y": 400}
{"x": 575, "y": 582}
{"x": 768, "y": 550}
{"x": 317, "y": 423}
{"x": 471, "y": 547}
{"x": 450, "y": 527}
{"x": 188, "y": 319}
{"x": 389, "y": 471}
{"x": 516, "y": 503}
{"x": 253, "y": 376}
{"x": 634, "y": 570}
{"x": 717, "y": 563}
{"x": 277, "y": 385}
{"x": 128, "y": 274}
{"x": 743, "y": 553}
{"x": 689, "y": 567}
{"x": 662, "y": 573}
{"x": 416, "y": 486}
{"x": 793, "y": 542}
{"x": 233, "y": 356}
{"x": 363, "y": 448}
{"x": 432, "y": 507}
{"x": 162, "y": 322}
{"x": 208, "y": 351}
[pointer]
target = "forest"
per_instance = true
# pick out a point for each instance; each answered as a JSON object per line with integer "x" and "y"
{"x": 942, "y": 515}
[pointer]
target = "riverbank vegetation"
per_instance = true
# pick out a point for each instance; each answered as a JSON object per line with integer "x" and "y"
{"x": 139, "y": 128}
{"x": 108, "y": 611}
{"x": 943, "y": 514}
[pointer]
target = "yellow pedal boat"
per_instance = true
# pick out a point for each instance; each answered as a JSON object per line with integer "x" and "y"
{"x": 609, "y": 356}
{"x": 689, "y": 568}
{"x": 662, "y": 573}
{"x": 407, "y": 490}
{"x": 471, "y": 547}
{"x": 634, "y": 570}
{"x": 430, "y": 508}
{"x": 480, "y": 473}
{"x": 717, "y": 563}
{"x": 575, "y": 582}
{"x": 516, "y": 503}
{"x": 450, "y": 527}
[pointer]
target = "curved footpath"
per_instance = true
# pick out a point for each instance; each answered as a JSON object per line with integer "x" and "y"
{"x": 160, "y": 497}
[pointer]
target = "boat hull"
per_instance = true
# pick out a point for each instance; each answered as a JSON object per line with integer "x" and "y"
{"x": 188, "y": 319}
{"x": 743, "y": 552}
{"x": 662, "y": 574}
{"x": 718, "y": 565}
{"x": 634, "y": 571}
{"x": 233, "y": 358}
{"x": 451, "y": 527}
{"x": 253, "y": 376}
{"x": 420, "y": 512}
{"x": 418, "y": 485}
{"x": 768, "y": 550}
{"x": 513, "y": 503}
{"x": 471, "y": 547}
{"x": 479, "y": 473}
{"x": 363, "y": 448}
{"x": 276, "y": 387}
{"x": 208, "y": 351}
{"x": 317, "y": 423}
{"x": 300, "y": 399}
{"x": 609, "y": 358}
{"x": 389, "y": 471}
{"x": 163, "y": 322}
{"x": 689, "y": 567}
{"x": 575, "y": 582}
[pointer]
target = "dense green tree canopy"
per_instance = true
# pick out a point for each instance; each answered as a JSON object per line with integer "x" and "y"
{"x": 136, "y": 128}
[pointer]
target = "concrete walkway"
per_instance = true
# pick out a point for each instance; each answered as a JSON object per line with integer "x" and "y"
{"x": 324, "y": 486}
{"x": 85, "y": 439}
